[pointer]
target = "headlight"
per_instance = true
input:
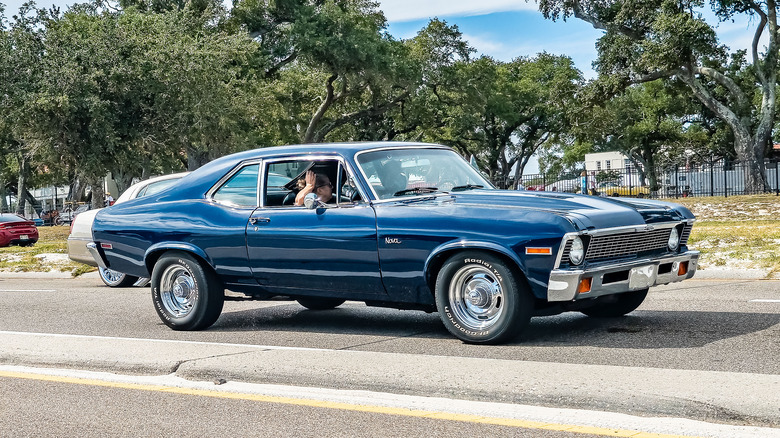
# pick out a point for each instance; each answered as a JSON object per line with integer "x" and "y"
{"x": 674, "y": 239}
{"x": 577, "y": 252}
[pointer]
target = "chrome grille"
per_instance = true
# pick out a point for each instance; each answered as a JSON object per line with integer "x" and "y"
{"x": 686, "y": 233}
{"x": 620, "y": 245}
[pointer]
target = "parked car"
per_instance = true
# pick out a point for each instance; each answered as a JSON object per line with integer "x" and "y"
{"x": 16, "y": 230}
{"x": 81, "y": 230}
{"x": 615, "y": 189}
{"x": 486, "y": 259}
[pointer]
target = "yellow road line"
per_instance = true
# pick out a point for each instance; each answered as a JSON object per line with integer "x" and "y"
{"x": 466, "y": 418}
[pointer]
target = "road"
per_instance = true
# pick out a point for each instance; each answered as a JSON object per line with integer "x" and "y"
{"x": 704, "y": 350}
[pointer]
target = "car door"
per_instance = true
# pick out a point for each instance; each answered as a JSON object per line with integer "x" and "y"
{"x": 330, "y": 250}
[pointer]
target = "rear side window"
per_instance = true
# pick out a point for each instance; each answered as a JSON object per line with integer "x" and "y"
{"x": 155, "y": 187}
{"x": 11, "y": 218}
{"x": 241, "y": 189}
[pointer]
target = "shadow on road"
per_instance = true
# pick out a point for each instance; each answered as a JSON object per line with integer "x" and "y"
{"x": 638, "y": 330}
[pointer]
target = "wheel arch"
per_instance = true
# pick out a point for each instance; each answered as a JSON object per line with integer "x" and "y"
{"x": 440, "y": 255}
{"x": 156, "y": 251}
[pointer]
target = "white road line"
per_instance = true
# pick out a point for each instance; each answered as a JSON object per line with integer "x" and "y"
{"x": 28, "y": 290}
{"x": 765, "y": 301}
{"x": 389, "y": 403}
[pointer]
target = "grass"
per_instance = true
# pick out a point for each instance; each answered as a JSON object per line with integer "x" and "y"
{"x": 735, "y": 231}
{"x": 51, "y": 240}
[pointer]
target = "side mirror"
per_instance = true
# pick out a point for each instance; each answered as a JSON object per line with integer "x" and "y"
{"x": 310, "y": 201}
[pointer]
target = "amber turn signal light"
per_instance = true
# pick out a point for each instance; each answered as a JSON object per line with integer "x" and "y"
{"x": 683, "y": 269}
{"x": 584, "y": 286}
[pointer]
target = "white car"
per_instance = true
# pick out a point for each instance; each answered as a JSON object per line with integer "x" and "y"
{"x": 81, "y": 230}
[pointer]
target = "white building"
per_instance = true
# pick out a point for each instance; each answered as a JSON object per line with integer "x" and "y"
{"x": 606, "y": 161}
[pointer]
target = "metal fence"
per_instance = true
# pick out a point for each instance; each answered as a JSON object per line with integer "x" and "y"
{"x": 719, "y": 179}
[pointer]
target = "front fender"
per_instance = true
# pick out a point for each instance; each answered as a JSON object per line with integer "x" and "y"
{"x": 436, "y": 258}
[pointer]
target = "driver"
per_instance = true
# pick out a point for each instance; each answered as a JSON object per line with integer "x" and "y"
{"x": 318, "y": 184}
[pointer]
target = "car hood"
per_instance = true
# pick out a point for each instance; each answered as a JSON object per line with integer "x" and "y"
{"x": 585, "y": 212}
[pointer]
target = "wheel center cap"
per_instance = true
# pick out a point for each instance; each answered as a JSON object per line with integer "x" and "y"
{"x": 478, "y": 297}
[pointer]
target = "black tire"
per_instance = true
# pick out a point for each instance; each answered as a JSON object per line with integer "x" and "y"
{"x": 640, "y": 195}
{"x": 615, "y": 195}
{"x": 616, "y": 305}
{"x": 113, "y": 278}
{"x": 186, "y": 294}
{"x": 319, "y": 303}
{"x": 499, "y": 307}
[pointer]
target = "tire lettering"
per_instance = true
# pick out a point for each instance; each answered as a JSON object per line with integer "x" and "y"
{"x": 487, "y": 265}
{"x": 464, "y": 330}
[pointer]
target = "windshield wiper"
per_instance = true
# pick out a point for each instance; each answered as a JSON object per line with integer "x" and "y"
{"x": 466, "y": 187}
{"x": 416, "y": 190}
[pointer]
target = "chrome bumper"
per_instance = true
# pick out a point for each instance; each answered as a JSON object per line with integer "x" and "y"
{"x": 78, "y": 251}
{"x": 623, "y": 277}
{"x": 93, "y": 249}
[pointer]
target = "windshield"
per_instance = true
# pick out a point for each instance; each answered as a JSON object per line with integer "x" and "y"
{"x": 395, "y": 173}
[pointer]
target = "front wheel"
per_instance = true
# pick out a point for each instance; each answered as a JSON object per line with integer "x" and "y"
{"x": 480, "y": 300}
{"x": 616, "y": 305}
{"x": 113, "y": 278}
{"x": 186, "y": 294}
{"x": 319, "y": 303}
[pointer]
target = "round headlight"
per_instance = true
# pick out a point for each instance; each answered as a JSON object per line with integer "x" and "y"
{"x": 577, "y": 252}
{"x": 674, "y": 239}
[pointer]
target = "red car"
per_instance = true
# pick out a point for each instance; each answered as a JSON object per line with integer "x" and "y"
{"x": 17, "y": 230}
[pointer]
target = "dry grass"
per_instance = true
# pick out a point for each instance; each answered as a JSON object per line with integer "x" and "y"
{"x": 50, "y": 253}
{"x": 737, "y": 232}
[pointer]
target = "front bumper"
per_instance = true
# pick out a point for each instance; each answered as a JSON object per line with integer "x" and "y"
{"x": 621, "y": 277}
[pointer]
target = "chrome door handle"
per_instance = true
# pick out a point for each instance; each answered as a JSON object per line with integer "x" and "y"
{"x": 255, "y": 220}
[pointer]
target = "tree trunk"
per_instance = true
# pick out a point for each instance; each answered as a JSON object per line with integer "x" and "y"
{"x": 3, "y": 196}
{"x": 196, "y": 158}
{"x": 21, "y": 187}
{"x": 98, "y": 193}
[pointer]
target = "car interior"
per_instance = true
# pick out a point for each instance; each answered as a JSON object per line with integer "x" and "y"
{"x": 344, "y": 189}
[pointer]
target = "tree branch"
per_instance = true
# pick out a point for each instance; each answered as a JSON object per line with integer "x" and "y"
{"x": 723, "y": 80}
{"x": 309, "y": 137}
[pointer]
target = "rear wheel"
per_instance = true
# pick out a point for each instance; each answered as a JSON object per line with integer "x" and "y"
{"x": 319, "y": 303}
{"x": 616, "y": 305}
{"x": 186, "y": 294}
{"x": 479, "y": 299}
{"x": 616, "y": 194}
{"x": 640, "y": 195}
{"x": 116, "y": 279}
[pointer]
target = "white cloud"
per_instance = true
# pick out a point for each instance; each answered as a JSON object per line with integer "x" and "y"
{"x": 408, "y": 10}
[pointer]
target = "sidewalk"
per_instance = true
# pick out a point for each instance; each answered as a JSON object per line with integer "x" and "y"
{"x": 734, "y": 398}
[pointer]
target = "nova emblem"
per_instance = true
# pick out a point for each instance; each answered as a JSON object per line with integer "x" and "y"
{"x": 390, "y": 241}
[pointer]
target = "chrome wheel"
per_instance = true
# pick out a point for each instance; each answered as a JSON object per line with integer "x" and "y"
{"x": 476, "y": 297}
{"x": 111, "y": 277}
{"x": 178, "y": 291}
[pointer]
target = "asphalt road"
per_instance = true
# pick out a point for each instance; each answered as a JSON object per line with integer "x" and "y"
{"x": 707, "y": 350}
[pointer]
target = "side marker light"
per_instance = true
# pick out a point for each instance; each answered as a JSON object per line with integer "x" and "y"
{"x": 584, "y": 286}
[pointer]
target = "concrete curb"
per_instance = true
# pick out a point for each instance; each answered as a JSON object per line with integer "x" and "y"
{"x": 736, "y": 398}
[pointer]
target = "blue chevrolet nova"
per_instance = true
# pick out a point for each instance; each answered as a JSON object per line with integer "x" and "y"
{"x": 402, "y": 225}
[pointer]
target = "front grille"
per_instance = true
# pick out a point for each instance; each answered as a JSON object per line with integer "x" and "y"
{"x": 626, "y": 244}
{"x": 686, "y": 233}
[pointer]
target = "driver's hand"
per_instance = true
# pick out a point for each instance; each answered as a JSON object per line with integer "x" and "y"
{"x": 310, "y": 178}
